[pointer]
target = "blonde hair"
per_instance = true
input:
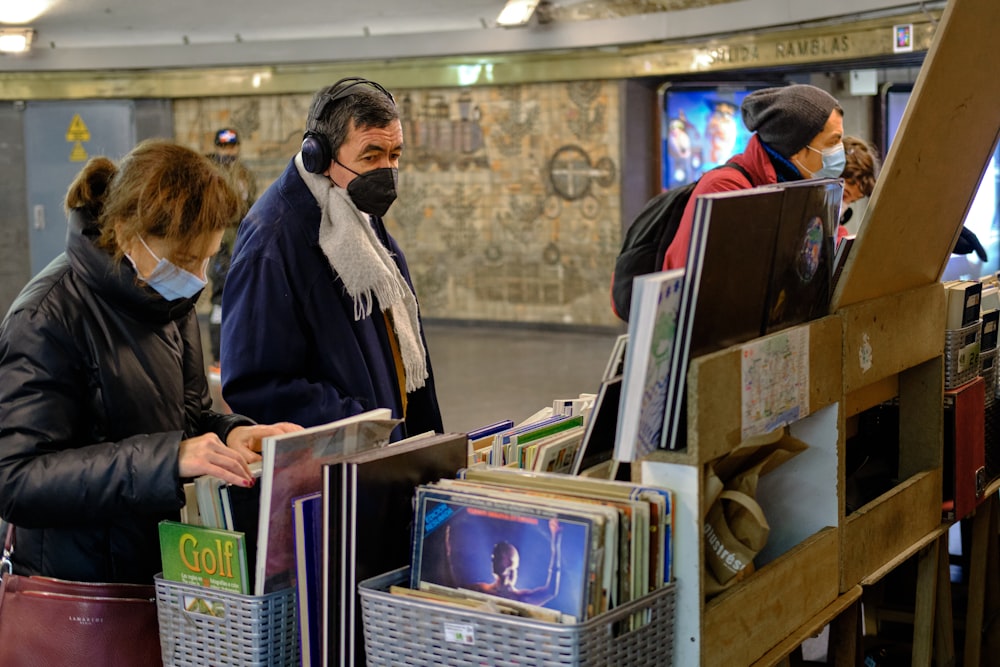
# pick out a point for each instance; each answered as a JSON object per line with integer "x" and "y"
{"x": 159, "y": 189}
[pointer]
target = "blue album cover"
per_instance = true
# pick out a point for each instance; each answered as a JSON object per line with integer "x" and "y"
{"x": 531, "y": 554}
{"x": 490, "y": 429}
{"x": 307, "y": 528}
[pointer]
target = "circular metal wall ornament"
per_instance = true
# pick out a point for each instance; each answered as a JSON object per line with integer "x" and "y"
{"x": 606, "y": 172}
{"x": 570, "y": 172}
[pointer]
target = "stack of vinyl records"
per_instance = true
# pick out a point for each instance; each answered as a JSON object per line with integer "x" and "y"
{"x": 961, "y": 355}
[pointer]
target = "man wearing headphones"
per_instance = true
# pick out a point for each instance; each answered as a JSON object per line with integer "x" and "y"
{"x": 319, "y": 320}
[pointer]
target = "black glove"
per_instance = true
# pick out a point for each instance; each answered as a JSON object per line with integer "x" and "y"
{"x": 846, "y": 217}
{"x": 968, "y": 242}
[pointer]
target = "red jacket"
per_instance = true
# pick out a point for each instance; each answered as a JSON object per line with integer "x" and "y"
{"x": 754, "y": 160}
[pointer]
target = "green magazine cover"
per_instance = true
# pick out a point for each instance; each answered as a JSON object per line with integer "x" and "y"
{"x": 208, "y": 557}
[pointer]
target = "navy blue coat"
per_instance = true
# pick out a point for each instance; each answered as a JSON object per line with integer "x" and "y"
{"x": 291, "y": 348}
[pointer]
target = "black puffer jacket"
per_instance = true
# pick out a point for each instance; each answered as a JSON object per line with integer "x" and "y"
{"x": 100, "y": 380}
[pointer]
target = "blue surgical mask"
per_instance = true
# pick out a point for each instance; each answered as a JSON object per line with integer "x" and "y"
{"x": 834, "y": 160}
{"x": 169, "y": 280}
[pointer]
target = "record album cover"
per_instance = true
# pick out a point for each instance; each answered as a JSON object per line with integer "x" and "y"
{"x": 802, "y": 273}
{"x": 527, "y": 553}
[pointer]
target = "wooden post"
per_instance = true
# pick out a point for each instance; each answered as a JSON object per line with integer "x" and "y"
{"x": 944, "y": 633}
{"x": 984, "y": 533}
{"x": 924, "y": 605}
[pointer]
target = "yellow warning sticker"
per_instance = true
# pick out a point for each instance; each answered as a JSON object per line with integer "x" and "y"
{"x": 78, "y": 154}
{"x": 77, "y": 130}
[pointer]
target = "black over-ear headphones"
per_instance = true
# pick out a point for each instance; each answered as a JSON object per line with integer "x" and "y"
{"x": 316, "y": 153}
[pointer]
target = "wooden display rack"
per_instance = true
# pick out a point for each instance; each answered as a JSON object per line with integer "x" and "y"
{"x": 816, "y": 555}
{"x": 889, "y": 298}
{"x": 884, "y": 340}
{"x": 797, "y": 576}
{"x": 892, "y": 349}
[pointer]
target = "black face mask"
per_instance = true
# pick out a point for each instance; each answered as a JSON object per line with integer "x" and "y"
{"x": 373, "y": 191}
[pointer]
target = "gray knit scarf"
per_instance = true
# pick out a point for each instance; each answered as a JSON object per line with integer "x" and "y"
{"x": 367, "y": 270}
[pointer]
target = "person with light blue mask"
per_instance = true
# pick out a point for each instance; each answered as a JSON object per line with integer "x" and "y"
{"x": 169, "y": 280}
{"x": 104, "y": 402}
{"x": 798, "y": 133}
{"x": 801, "y": 127}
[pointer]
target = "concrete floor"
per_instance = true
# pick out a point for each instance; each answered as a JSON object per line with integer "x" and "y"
{"x": 488, "y": 373}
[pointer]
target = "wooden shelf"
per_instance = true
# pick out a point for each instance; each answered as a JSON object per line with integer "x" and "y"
{"x": 897, "y": 343}
{"x": 797, "y": 573}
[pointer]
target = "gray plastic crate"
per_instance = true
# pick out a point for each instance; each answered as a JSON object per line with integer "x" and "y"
{"x": 961, "y": 355}
{"x": 406, "y": 631}
{"x": 245, "y": 630}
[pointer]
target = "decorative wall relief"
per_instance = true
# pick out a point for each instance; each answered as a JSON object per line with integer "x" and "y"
{"x": 508, "y": 205}
{"x": 435, "y": 137}
{"x": 518, "y": 121}
{"x": 588, "y": 116}
{"x": 460, "y": 231}
{"x": 518, "y": 223}
{"x": 409, "y": 212}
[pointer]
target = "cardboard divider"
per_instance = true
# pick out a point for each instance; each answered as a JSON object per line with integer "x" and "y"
{"x": 714, "y": 393}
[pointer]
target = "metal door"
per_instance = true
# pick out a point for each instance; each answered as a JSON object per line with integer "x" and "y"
{"x": 59, "y": 138}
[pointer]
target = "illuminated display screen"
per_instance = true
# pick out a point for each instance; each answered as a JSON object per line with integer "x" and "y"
{"x": 701, "y": 129}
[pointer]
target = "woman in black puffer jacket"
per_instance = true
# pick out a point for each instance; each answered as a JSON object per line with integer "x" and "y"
{"x": 104, "y": 405}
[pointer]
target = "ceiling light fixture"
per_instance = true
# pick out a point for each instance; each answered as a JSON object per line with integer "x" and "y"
{"x": 15, "y": 40}
{"x": 516, "y": 13}
{"x": 23, "y": 11}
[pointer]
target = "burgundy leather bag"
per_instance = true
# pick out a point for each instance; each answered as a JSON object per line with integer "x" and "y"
{"x": 46, "y": 621}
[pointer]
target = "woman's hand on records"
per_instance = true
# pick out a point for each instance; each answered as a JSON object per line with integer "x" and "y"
{"x": 207, "y": 455}
{"x": 246, "y": 440}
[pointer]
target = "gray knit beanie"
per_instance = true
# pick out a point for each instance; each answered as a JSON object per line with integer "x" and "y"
{"x": 787, "y": 118}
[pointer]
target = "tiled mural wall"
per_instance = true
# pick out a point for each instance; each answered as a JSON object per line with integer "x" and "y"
{"x": 509, "y": 202}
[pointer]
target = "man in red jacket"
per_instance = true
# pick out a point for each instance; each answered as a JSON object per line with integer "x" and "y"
{"x": 798, "y": 133}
